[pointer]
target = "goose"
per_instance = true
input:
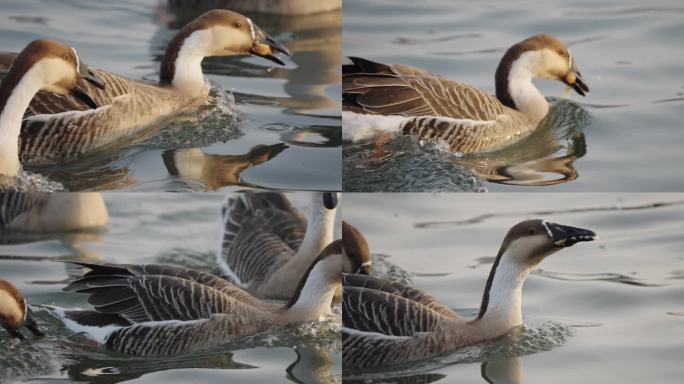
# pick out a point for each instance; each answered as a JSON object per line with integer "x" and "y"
{"x": 387, "y": 98}
{"x": 62, "y": 129}
{"x": 387, "y": 323}
{"x": 52, "y": 212}
{"x": 14, "y": 311}
{"x": 267, "y": 243}
{"x": 41, "y": 65}
{"x": 157, "y": 310}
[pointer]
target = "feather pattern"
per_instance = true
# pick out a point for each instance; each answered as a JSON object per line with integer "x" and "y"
{"x": 468, "y": 119}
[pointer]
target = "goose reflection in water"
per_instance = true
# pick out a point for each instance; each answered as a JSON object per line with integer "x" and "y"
{"x": 545, "y": 157}
{"x": 217, "y": 171}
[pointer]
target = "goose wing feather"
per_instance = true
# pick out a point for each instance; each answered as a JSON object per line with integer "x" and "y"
{"x": 377, "y": 88}
{"x": 399, "y": 289}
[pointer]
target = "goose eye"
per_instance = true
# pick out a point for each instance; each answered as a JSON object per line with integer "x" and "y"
{"x": 530, "y": 231}
{"x": 237, "y": 24}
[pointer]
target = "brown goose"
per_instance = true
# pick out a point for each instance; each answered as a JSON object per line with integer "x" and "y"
{"x": 386, "y": 98}
{"x": 267, "y": 243}
{"x": 42, "y": 65}
{"x": 61, "y": 128}
{"x": 155, "y": 310}
{"x": 14, "y": 311}
{"x": 52, "y": 212}
{"x": 387, "y": 323}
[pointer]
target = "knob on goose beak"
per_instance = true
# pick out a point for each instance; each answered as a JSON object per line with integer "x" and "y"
{"x": 88, "y": 75}
{"x": 265, "y": 46}
{"x": 574, "y": 79}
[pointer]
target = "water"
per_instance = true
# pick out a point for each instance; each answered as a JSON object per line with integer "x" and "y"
{"x": 178, "y": 229}
{"x": 624, "y": 136}
{"x": 603, "y": 311}
{"x": 293, "y": 111}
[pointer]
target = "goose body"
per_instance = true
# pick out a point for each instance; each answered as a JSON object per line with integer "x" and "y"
{"x": 387, "y": 323}
{"x": 42, "y": 65}
{"x": 14, "y": 311}
{"x": 59, "y": 128}
{"x": 154, "y": 310}
{"x": 382, "y": 98}
{"x": 267, "y": 243}
{"x": 52, "y": 212}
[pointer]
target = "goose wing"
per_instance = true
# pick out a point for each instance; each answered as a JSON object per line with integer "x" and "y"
{"x": 15, "y": 204}
{"x": 384, "y": 314}
{"x": 375, "y": 88}
{"x": 399, "y": 289}
{"x": 157, "y": 293}
{"x": 261, "y": 231}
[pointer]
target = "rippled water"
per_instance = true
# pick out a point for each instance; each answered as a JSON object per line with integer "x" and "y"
{"x": 624, "y": 136}
{"x": 605, "y": 311}
{"x": 286, "y": 121}
{"x": 178, "y": 229}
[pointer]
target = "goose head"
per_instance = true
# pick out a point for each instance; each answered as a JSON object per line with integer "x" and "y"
{"x": 217, "y": 32}
{"x": 355, "y": 250}
{"x": 526, "y": 244}
{"x": 52, "y": 67}
{"x": 14, "y": 312}
{"x": 545, "y": 57}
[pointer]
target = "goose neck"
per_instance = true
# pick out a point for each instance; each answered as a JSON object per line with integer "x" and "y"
{"x": 14, "y": 99}
{"x": 181, "y": 66}
{"x": 514, "y": 87}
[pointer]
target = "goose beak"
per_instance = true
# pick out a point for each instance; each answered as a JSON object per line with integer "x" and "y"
{"x": 32, "y": 326}
{"x": 88, "y": 75}
{"x": 13, "y": 332}
{"x": 364, "y": 269}
{"x": 574, "y": 80}
{"x": 265, "y": 46}
{"x": 330, "y": 200}
{"x": 564, "y": 236}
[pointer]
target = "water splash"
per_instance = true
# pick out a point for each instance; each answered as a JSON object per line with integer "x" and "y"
{"x": 385, "y": 269}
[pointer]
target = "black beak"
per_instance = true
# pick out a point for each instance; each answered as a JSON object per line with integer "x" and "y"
{"x": 265, "y": 46}
{"x": 330, "y": 200}
{"x": 564, "y": 236}
{"x": 13, "y": 332}
{"x": 88, "y": 75}
{"x": 364, "y": 269}
{"x": 32, "y": 326}
{"x": 574, "y": 79}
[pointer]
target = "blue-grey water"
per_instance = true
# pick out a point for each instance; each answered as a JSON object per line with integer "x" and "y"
{"x": 287, "y": 116}
{"x": 625, "y": 135}
{"x": 177, "y": 229}
{"x": 609, "y": 311}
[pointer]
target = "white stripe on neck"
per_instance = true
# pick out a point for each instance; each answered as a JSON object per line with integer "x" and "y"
{"x": 188, "y": 76}
{"x": 525, "y": 95}
{"x": 12, "y": 115}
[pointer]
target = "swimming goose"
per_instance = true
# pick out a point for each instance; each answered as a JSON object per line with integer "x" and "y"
{"x": 398, "y": 98}
{"x": 52, "y": 212}
{"x": 14, "y": 311}
{"x": 42, "y": 65}
{"x": 267, "y": 243}
{"x": 387, "y": 323}
{"x": 155, "y": 310}
{"x": 62, "y": 129}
